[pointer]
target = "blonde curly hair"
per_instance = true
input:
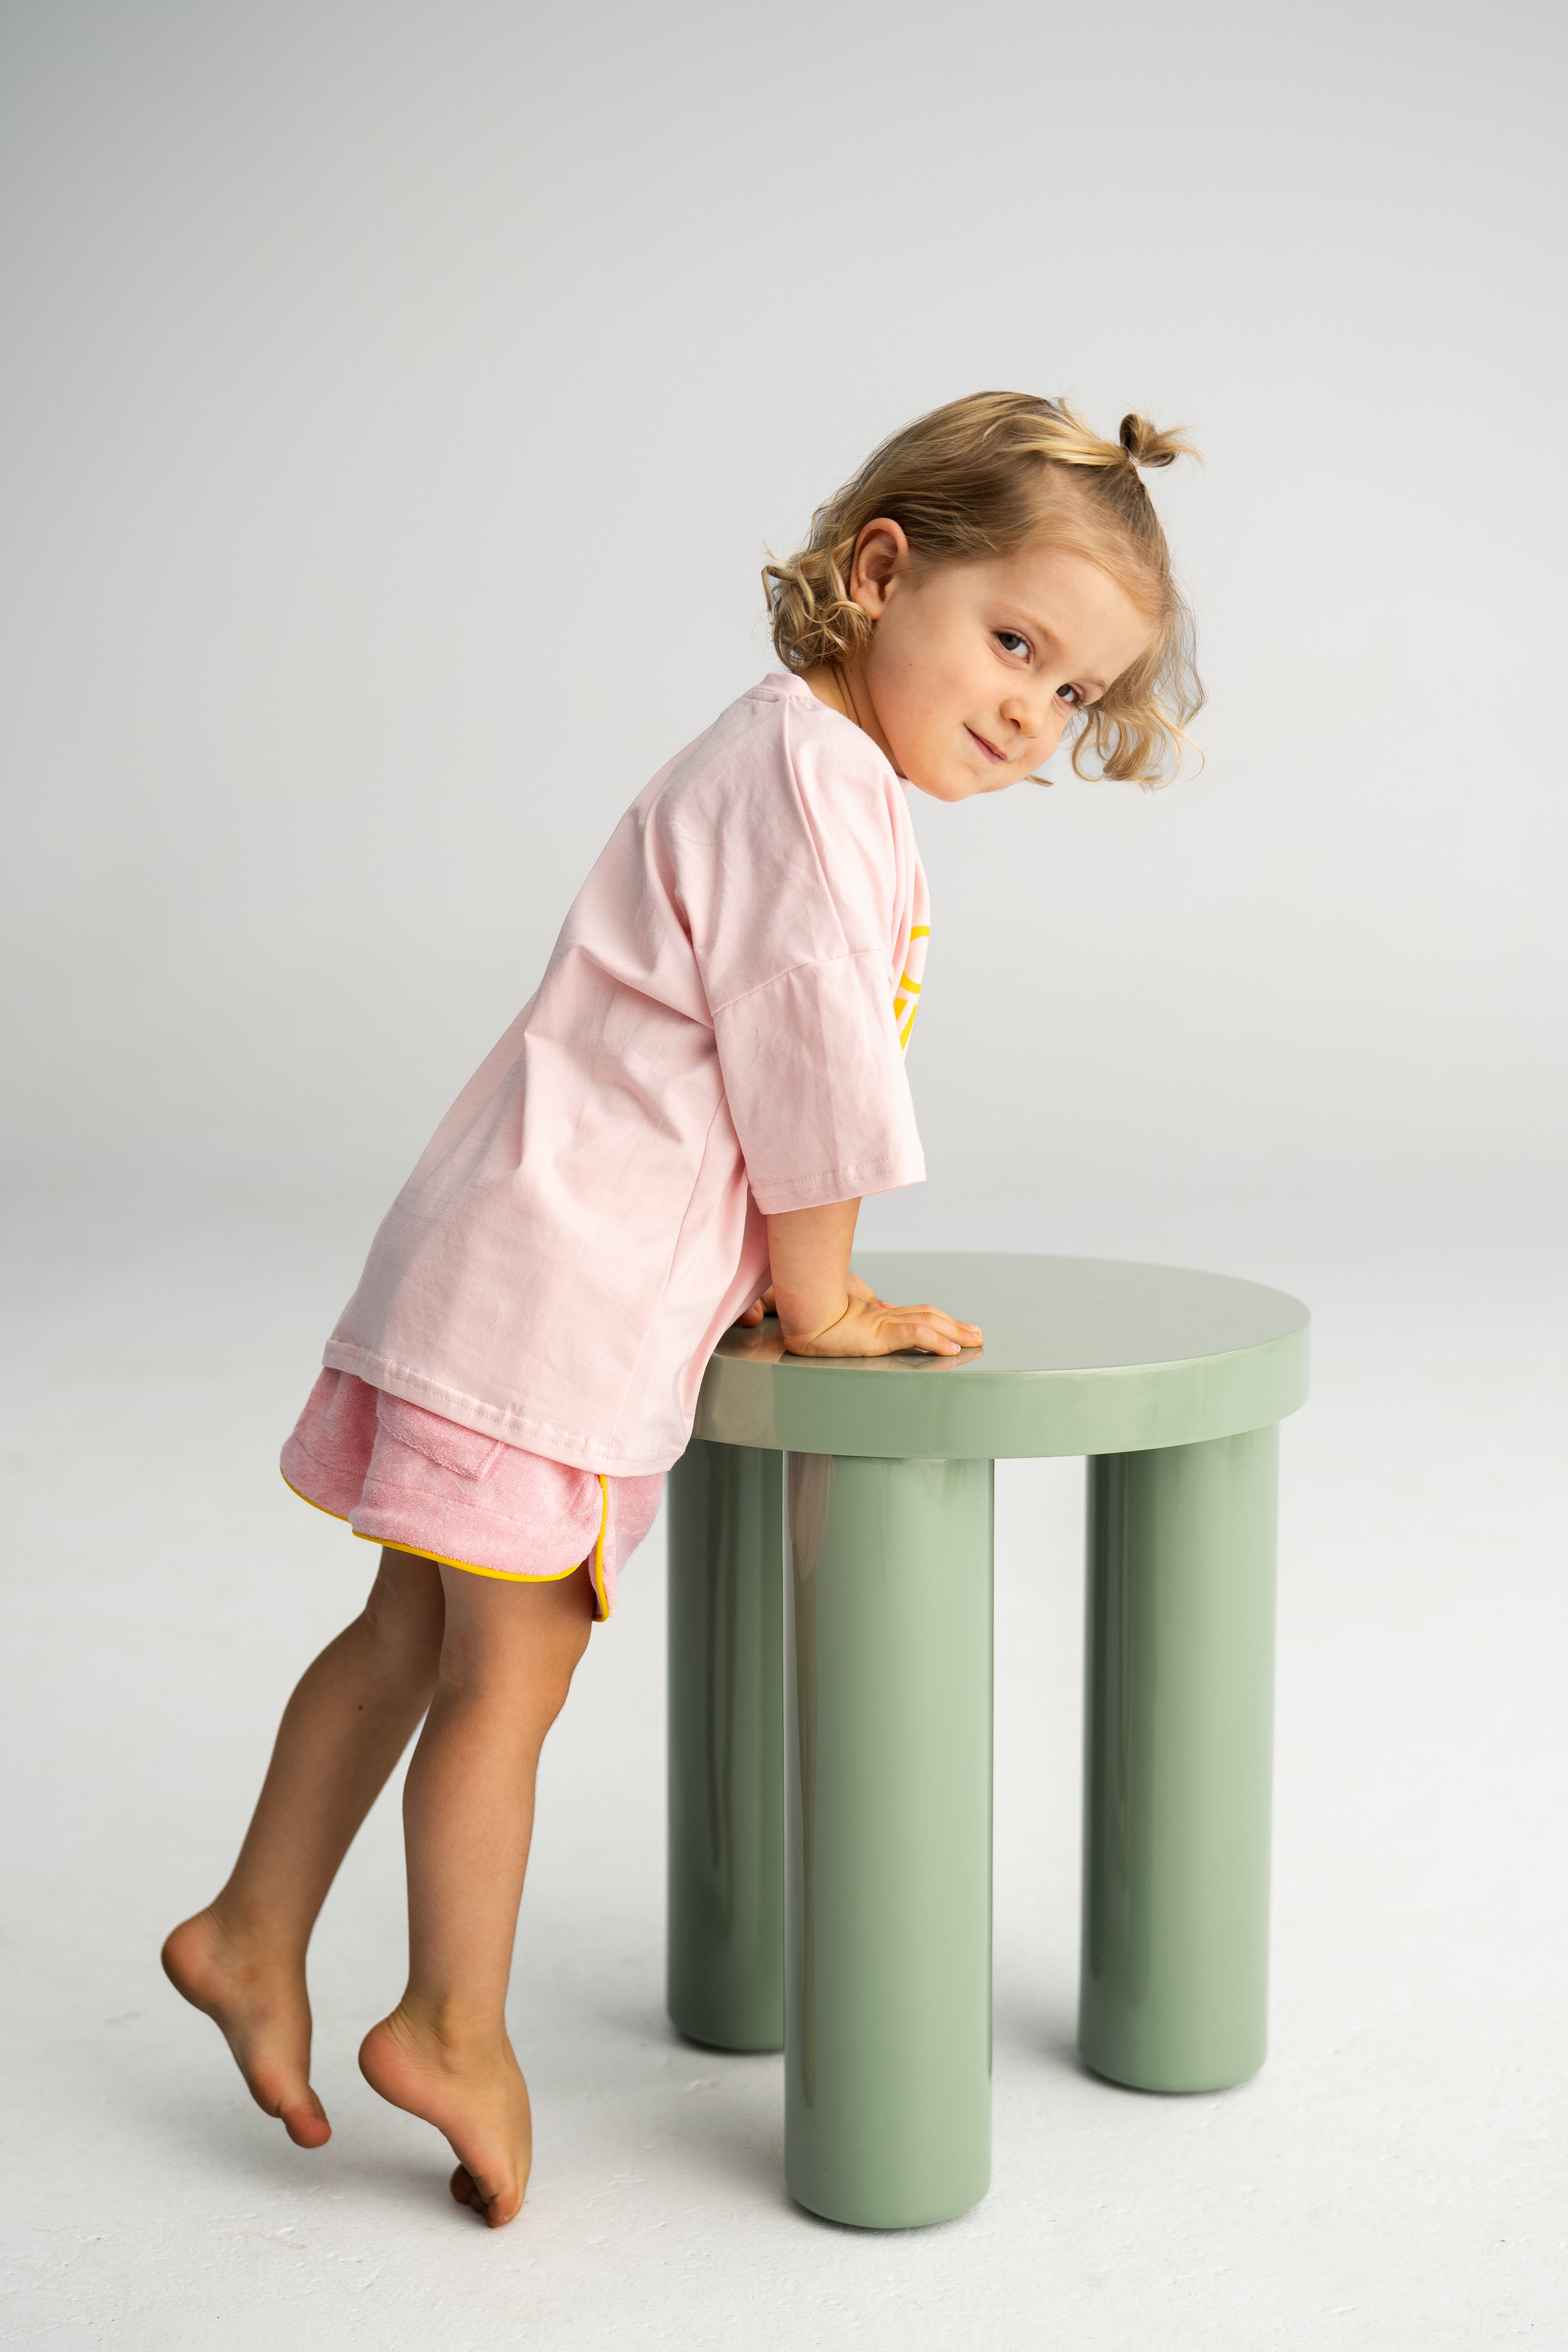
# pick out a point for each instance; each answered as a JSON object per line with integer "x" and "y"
{"x": 978, "y": 478}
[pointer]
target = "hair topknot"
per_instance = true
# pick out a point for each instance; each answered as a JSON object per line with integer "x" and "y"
{"x": 976, "y": 479}
{"x": 1147, "y": 446}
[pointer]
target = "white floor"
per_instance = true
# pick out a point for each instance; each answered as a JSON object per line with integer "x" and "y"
{"x": 1394, "y": 2177}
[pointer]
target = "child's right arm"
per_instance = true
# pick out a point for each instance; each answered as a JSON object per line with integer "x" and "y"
{"x": 825, "y": 1310}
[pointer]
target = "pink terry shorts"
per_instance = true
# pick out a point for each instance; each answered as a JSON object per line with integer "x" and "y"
{"x": 407, "y": 1478}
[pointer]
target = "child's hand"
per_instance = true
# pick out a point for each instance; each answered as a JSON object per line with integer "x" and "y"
{"x": 870, "y": 1327}
{"x": 825, "y": 1311}
{"x": 768, "y": 1304}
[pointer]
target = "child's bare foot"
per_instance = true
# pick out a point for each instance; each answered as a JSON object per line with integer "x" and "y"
{"x": 259, "y": 2000}
{"x": 476, "y": 2096}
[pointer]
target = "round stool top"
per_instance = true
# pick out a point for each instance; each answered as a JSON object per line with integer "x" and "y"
{"x": 1082, "y": 1355}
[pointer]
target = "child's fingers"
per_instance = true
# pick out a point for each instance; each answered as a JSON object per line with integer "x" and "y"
{"x": 929, "y": 1328}
{"x": 868, "y": 1328}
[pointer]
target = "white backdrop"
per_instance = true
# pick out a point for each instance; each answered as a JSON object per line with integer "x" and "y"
{"x": 399, "y": 400}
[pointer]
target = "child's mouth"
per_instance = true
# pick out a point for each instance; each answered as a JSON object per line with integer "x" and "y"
{"x": 989, "y": 749}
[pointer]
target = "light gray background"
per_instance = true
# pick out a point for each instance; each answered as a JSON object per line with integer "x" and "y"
{"x": 401, "y": 400}
{"x": 398, "y": 402}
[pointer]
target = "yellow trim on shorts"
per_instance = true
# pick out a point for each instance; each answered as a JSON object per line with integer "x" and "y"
{"x": 469, "y": 1567}
{"x": 501, "y": 1575}
{"x": 599, "y": 1593}
{"x": 315, "y": 1507}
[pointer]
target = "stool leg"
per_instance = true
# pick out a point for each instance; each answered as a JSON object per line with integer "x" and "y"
{"x": 726, "y": 1746}
{"x": 1179, "y": 1725}
{"x": 888, "y": 1838}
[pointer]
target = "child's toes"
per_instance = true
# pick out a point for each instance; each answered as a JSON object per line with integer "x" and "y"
{"x": 284, "y": 2094}
{"x": 497, "y": 2205}
{"x": 305, "y": 2121}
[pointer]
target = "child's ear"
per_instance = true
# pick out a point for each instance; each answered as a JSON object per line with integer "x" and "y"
{"x": 882, "y": 552}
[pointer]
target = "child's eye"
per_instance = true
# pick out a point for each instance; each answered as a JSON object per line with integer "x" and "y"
{"x": 1011, "y": 641}
{"x": 1072, "y": 696}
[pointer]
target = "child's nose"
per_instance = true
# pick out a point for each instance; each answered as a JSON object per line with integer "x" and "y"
{"x": 1030, "y": 719}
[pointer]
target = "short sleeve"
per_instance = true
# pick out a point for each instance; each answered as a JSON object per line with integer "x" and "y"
{"x": 816, "y": 1082}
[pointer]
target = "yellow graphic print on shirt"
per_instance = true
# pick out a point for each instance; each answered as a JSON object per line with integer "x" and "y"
{"x": 907, "y": 995}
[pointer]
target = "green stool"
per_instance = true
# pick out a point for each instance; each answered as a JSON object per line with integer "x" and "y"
{"x": 830, "y": 1741}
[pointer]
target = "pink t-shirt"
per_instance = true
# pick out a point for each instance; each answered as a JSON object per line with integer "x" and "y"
{"x": 715, "y": 1037}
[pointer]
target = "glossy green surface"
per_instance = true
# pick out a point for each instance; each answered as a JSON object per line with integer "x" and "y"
{"x": 726, "y": 1746}
{"x": 1081, "y": 1356}
{"x": 1172, "y": 1382}
{"x": 1178, "y": 1741}
{"x": 888, "y": 1838}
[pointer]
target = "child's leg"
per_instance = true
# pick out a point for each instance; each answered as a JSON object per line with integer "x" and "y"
{"x": 507, "y": 1661}
{"x": 243, "y": 1959}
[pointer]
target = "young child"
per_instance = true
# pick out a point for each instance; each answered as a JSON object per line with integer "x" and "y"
{"x": 675, "y": 1134}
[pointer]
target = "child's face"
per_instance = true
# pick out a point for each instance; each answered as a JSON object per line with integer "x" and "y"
{"x": 975, "y": 668}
